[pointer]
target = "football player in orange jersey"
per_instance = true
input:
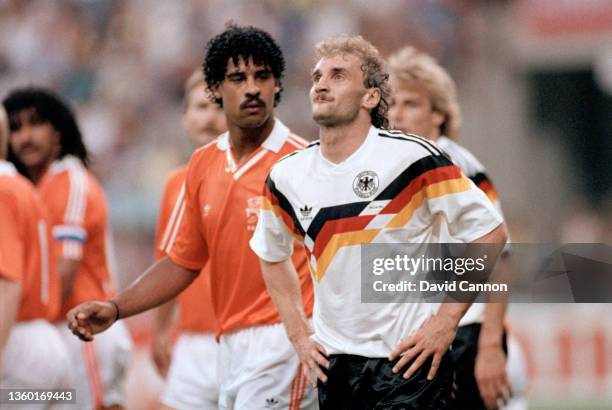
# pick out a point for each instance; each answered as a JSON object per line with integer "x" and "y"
{"x": 258, "y": 367}
{"x": 32, "y": 353}
{"x": 190, "y": 372}
{"x": 47, "y": 144}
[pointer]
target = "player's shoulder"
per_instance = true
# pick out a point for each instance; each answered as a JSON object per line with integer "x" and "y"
{"x": 292, "y": 143}
{"x": 294, "y": 158}
{"x": 206, "y": 152}
{"x": 177, "y": 175}
{"x": 461, "y": 156}
{"x": 69, "y": 171}
{"x": 16, "y": 190}
{"x": 407, "y": 148}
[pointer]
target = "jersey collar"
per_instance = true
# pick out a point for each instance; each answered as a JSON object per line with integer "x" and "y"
{"x": 64, "y": 163}
{"x": 273, "y": 143}
{"x": 357, "y": 156}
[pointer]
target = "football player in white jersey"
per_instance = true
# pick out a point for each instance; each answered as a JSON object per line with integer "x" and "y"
{"x": 360, "y": 184}
{"x": 424, "y": 102}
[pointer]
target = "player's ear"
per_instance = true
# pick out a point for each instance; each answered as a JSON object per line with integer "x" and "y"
{"x": 371, "y": 98}
{"x": 438, "y": 118}
{"x": 214, "y": 93}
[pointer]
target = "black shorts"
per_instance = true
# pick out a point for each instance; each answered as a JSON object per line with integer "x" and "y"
{"x": 463, "y": 357}
{"x": 360, "y": 383}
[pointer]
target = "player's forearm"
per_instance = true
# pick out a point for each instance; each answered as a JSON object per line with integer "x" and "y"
{"x": 163, "y": 317}
{"x": 453, "y": 311}
{"x": 284, "y": 287}
{"x": 492, "y": 330}
{"x": 67, "y": 269}
{"x": 10, "y": 294}
{"x": 163, "y": 281}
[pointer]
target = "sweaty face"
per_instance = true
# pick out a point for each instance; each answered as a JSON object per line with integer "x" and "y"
{"x": 248, "y": 93}
{"x": 411, "y": 111}
{"x": 35, "y": 142}
{"x": 337, "y": 90}
{"x": 203, "y": 119}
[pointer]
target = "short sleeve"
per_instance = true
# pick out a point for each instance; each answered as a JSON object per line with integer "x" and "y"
{"x": 168, "y": 217}
{"x": 11, "y": 242}
{"x": 273, "y": 238}
{"x": 187, "y": 246}
{"x": 467, "y": 210}
{"x": 69, "y": 209}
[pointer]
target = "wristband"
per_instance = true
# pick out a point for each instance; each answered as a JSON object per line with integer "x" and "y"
{"x": 116, "y": 309}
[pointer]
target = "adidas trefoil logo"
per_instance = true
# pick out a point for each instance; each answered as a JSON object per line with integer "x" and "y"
{"x": 271, "y": 403}
{"x": 306, "y": 211}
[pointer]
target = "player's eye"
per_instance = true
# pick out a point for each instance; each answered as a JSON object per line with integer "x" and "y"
{"x": 235, "y": 78}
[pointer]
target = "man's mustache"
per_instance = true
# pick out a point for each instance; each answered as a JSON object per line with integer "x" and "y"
{"x": 24, "y": 147}
{"x": 250, "y": 101}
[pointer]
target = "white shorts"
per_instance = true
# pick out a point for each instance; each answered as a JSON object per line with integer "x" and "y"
{"x": 258, "y": 369}
{"x": 192, "y": 378}
{"x": 99, "y": 365}
{"x": 35, "y": 357}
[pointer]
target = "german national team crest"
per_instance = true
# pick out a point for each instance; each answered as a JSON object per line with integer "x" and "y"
{"x": 365, "y": 184}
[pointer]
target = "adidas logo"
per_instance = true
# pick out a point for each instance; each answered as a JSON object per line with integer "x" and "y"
{"x": 305, "y": 211}
{"x": 271, "y": 402}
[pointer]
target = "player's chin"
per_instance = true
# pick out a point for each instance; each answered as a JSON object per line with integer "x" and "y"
{"x": 254, "y": 120}
{"x": 323, "y": 118}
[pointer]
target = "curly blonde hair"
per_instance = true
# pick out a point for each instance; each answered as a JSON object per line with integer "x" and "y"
{"x": 372, "y": 65}
{"x": 409, "y": 66}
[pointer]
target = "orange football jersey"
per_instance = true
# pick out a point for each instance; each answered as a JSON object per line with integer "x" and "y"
{"x": 25, "y": 246}
{"x": 217, "y": 220}
{"x": 78, "y": 211}
{"x": 195, "y": 306}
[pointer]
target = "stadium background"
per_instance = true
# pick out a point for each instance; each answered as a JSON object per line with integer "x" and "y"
{"x": 535, "y": 85}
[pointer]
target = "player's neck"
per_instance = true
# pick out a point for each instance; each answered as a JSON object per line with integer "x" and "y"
{"x": 243, "y": 141}
{"x": 340, "y": 142}
{"x": 434, "y": 135}
{"x": 36, "y": 173}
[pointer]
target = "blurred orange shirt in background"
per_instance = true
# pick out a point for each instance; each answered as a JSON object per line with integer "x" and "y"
{"x": 196, "y": 312}
{"x": 79, "y": 215}
{"x": 25, "y": 241}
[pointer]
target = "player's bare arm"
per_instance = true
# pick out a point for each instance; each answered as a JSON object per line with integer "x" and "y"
{"x": 435, "y": 336}
{"x": 284, "y": 287}
{"x": 10, "y": 294}
{"x": 158, "y": 284}
{"x": 67, "y": 269}
{"x": 490, "y": 368}
{"x": 161, "y": 345}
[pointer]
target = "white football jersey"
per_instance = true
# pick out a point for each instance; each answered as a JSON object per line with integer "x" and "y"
{"x": 476, "y": 172}
{"x": 395, "y": 188}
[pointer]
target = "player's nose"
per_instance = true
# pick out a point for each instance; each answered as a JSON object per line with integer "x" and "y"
{"x": 251, "y": 86}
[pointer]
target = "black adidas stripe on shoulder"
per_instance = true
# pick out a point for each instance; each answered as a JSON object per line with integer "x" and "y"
{"x": 398, "y": 135}
{"x": 312, "y": 144}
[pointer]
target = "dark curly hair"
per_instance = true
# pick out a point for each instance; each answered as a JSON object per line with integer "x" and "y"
{"x": 47, "y": 107}
{"x": 245, "y": 42}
